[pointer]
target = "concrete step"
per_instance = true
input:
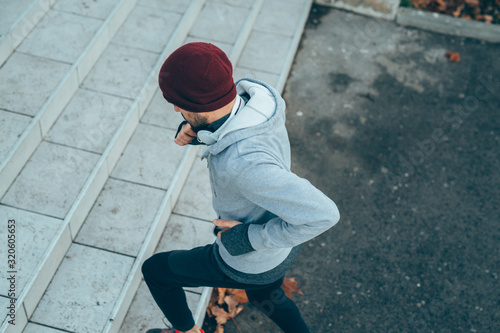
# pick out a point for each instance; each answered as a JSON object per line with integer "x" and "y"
{"x": 52, "y": 59}
{"x": 61, "y": 181}
{"x": 150, "y": 159}
{"x": 18, "y": 19}
{"x": 279, "y": 24}
{"x": 101, "y": 84}
{"x": 99, "y": 190}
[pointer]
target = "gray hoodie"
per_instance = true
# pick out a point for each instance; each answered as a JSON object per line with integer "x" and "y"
{"x": 252, "y": 183}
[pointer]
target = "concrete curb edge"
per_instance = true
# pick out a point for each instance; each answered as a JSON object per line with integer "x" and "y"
{"x": 448, "y": 24}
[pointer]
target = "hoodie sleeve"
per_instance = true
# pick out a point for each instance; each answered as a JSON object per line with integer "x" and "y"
{"x": 303, "y": 212}
{"x": 195, "y": 141}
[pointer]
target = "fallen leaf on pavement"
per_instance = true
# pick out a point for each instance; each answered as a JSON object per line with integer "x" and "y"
{"x": 453, "y": 56}
{"x": 291, "y": 286}
{"x": 458, "y": 11}
{"x": 220, "y": 314}
{"x": 473, "y": 3}
{"x": 487, "y": 11}
{"x": 222, "y": 293}
{"x": 226, "y": 304}
{"x": 239, "y": 295}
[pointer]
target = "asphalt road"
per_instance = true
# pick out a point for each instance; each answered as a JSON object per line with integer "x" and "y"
{"x": 406, "y": 143}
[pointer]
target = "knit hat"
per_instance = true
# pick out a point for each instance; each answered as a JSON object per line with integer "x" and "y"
{"x": 197, "y": 77}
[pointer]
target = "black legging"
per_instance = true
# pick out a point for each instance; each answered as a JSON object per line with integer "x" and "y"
{"x": 166, "y": 273}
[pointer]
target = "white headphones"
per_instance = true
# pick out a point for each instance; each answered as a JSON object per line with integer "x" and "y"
{"x": 210, "y": 138}
{"x": 206, "y": 137}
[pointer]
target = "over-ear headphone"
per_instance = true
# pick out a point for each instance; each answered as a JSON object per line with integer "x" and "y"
{"x": 206, "y": 137}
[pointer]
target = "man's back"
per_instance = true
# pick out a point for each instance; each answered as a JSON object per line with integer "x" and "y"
{"x": 252, "y": 183}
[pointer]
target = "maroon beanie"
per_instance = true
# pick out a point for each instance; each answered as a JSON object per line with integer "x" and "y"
{"x": 197, "y": 77}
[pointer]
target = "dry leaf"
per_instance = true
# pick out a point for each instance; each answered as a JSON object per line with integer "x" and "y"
{"x": 233, "y": 298}
{"x": 441, "y": 5}
{"x": 473, "y": 3}
{"x": 221, "y": 315}
{"x": 478, "y": 10}
{"x": 453, "y": 56}
{"x": 232, "y": 303}
{"x": 222, "y": 293}
{"x": 459, "y": 9}
{"x": 488, "y": 19}
{"x": 239, "y": 295}
{"x": 290, "y": 286}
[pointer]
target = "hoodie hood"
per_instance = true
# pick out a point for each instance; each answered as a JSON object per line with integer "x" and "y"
{"x": 263, "y": 107}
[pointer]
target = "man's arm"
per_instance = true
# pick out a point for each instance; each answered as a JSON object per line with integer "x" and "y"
{"x": 303, "y": 212}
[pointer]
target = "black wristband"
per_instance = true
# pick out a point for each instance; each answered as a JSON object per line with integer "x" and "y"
{"x": 236, "y": 241}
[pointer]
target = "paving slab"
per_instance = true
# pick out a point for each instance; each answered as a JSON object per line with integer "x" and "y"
{"x": 178, "y": 6}
{"x": 235, "y": 3}
{"x": 181, "y": 233}
{"x": 161, "y": 113}
{"x": 121, "y": 71}
{"x": 265, "y": 52}
{"x": 60, "y": 36}
{"x": 51, "y": 180}
{"x": 82, "y": 293}
{"x": 137, "y": 31}
{"x": 219, "y": 21}
{"x": 196, "y": 196}
{"x": 4, "y": 303}
{"x": 242, "y": 72}
{"x": 223, "y": 46}
{"x": 385, "y": 9}
{"x": 36, "y": 328}
{"x": 20, "y": 315}
{"x": 27, "y": 81}
{"x": 151, "y": 157}
{"x": 12, "y": 125}
{"x": 185, "y": 233}
{"x": 97, "y": 9}
{"x": 279, "y": 17}
{"x": 11, "y": 12}
{"x": 89, "y": 120}
{"x": 144, "y": 314}
{"x": 33, "y": 235}
{"x": 121, "y": 217}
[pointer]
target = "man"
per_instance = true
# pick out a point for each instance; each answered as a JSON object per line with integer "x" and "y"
{"x": 265, "y": 211}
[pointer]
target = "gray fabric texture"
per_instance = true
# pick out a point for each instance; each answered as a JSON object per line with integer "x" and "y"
{"x": 249, "y": 166}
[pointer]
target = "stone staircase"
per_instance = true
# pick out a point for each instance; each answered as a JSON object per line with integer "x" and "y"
{"x": 88, "y": 167}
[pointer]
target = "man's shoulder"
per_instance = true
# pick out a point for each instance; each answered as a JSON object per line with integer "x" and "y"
{"x": 244, "y": 154}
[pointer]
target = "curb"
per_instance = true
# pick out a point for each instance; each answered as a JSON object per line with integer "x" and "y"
{"x": 404, "y": 16}
{"x": 297, "y": 36}
{"x": 448, "y": 24}
{"x": 382, "y": 9}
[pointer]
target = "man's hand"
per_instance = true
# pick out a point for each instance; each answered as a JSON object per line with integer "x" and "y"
{"x": 225, "y": 224}
{"x": 185, "y": 136}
